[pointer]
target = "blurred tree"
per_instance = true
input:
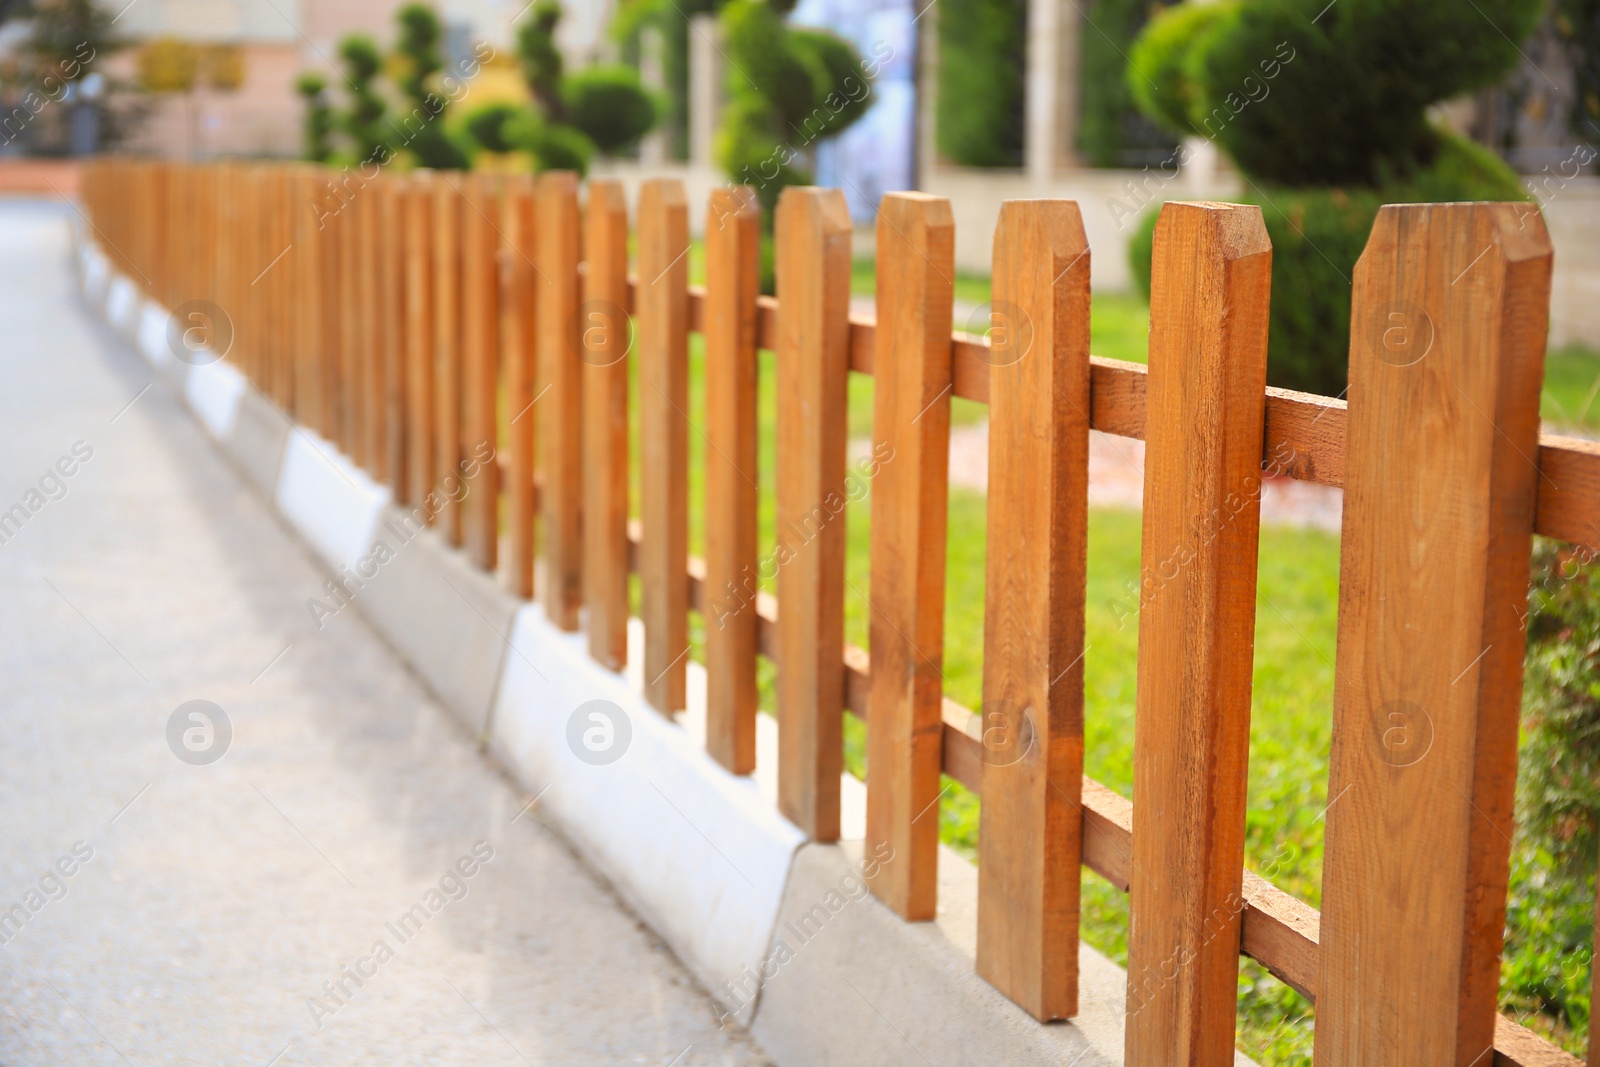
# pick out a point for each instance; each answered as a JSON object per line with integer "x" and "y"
{"x": 1578, "y": 24}
{"x": 362, "y": 120}
{"x": 982, "y": 64}
{"x": 420, "y": 62}
{"x": 318, "y": 125}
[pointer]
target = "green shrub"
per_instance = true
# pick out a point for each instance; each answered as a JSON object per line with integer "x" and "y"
{"x": 363, "y": 118}
{"x": 787, "y": 88}
{"x": 609, "y": 105}
{"x": 486, "y": 125}
{"x": 1550, "y": 913}
{"x": 313, "y": 89}
{"x": 982, "y": 54}
{"x": 1112, "y": 131}
{"x": 603, "y": 108}
{"x": 1158, "y": 77}
{"x": 419, "y": 58}
{"x": 1324, "y": 109}
{"x": 1317, "y": 235}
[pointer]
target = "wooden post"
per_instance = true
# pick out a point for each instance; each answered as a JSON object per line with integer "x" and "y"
{"x": 364, "y": 319}
{"x": 447, "y": 354}
{"x": 604, "y": 339}
{"x": 1447, "y": 341}
{"x": 560, "y": 387}
{"x": 1210, "y": 288}
{"x": 1032, "y": 715}
{"x": 309, "y": 386}
{"x": 663, "y": 339}
{"x": 813, "y": 363}
{"x": 911, "y": 440}
{"x": 391, "y": 235}
{"x": 518, "y": 324}
{"x": 733, "y": 282}
{"x": 480, "y": 340}
{"x": 421, "y": 448}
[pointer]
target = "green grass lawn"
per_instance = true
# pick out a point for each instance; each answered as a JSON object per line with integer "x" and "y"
{"x": 1296, "y": 619}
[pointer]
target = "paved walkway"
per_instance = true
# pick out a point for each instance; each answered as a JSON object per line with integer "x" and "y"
{"x": 351, "y": 882}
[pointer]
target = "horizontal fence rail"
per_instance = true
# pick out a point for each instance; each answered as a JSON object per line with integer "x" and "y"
{"x": 436, "y": 327}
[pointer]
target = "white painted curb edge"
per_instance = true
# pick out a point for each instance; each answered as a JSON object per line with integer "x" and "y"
{"x": 700, "y": 852}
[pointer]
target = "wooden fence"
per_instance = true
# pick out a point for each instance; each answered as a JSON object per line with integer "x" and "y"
{"x": 418, "y": 320}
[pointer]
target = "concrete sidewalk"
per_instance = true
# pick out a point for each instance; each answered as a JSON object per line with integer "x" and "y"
{"x": 350, "y": 882}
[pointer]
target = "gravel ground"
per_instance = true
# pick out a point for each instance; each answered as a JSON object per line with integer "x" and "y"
{"x": 159, "y": 910}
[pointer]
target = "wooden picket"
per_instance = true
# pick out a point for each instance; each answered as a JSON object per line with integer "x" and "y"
{"x": 1032, "y": 714}
{"x": 1446, "y": 363}
{"x": 813, "y": 363}
{"x": 416, "y": 321}
{"x": 911, "y": 428}
{"x": 604, "y": 344}
{"x": 662, "y": 315}
{"x": 733, "y": 280}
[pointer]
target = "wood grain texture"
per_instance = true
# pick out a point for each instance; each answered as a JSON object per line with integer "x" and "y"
{"x": 605, "y": 338}
{"x": 1029, "y": 847}
{"x": 1569, "y": 490}
{"x": 310, "y": 396}
{"x": 813, "y": 272}
{"x": 1448, "y": 326}
{"x": 559, "y": 387}
{"x": 392, "y": 311}
{"x": 421, "y": 447}
{"x": 480, "y": 378}
{"x": 447, "y": 264}
{"x": 519, "y": 325}
{"x": 911, "y": 438}
{"x": 733, "y": 281}
{"x": 330, "y": 258}
{"x": 662, "y": 303}
{"x": 368, "y": 331}
{"x": 1204, "y": 422}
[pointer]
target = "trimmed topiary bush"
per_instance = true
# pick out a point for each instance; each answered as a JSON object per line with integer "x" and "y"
{"x": 608, "y": 103}
{"x": 418, "y": 54}
{"x": 573, "y": 116}
{"x": 362, "y": 120}
{"x": 318, "y": 126}
{"x": 1324, "y": 110}
{"x": 788, "y": 87}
